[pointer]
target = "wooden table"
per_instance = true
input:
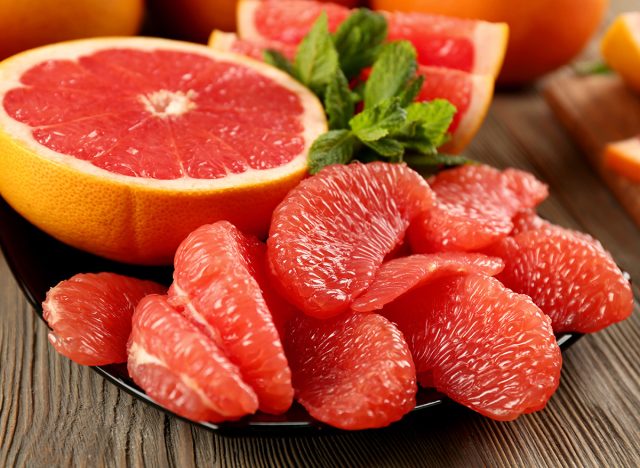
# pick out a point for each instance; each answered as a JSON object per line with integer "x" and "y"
{"x": 53, "y": 412}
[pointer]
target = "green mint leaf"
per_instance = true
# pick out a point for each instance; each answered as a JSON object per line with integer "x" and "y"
{"x": 379, "y": 121}
{"x": 412, "y": 90}
{"x": 338, "y": 101}
{"x": 591, "y": 67}
{"x": 387, "y": 147}
{"x": 276, "y": 59}
{"x": 316, "y": 59}
{"x": 333, "y": 147}
{"x": 440, "y": 160}
{"x": 358, "y": 40}
{"x": 426, "y": 125}
{"x": 393, "y": 68}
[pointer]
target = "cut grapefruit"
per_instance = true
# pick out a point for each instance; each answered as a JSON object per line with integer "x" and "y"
{"x": 623, "y": 157}
{"x": 467, "y": 45}
{"x": 215, "y": 286}
{"x": 90, "y": 315}
{"x": 480, "y": 344}
{"x": 182, "y": 369}
{"x": 331, "y": 233}
{"x": 230, "y": 42}
{"x": 121, "y": 147}
{"x": 352, "y": 371}
{"x": 621, "y": 48}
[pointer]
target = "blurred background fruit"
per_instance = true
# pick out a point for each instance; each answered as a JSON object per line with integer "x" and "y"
{"x": 620, "y": 48}
{"x": 30, "y": 23}
{"x": 544, "y": 34}
{"x": 195, "y": 19}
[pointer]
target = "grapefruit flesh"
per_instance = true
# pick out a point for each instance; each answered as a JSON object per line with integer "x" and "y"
{"x": 230, "y": 42}
{"x": 474, "y": 207}
{"x": 467, "y": 45}
{"x": 568, "y": 275}
{"x": 215, "y": 286}
{"x": 528, "y": 220}
{"x": 331, "y": 233}
{"x": 150, "y": 137}
{"x": 90, "y": 316}
{"x": 352, "y": 371}
{"x": 182, "y": 369}
{"x": 480, "y": 344}
{"x": 399, "y": 276}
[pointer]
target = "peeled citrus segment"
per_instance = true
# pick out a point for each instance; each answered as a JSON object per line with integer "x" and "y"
{"x": 230, "y": 42}
{"x": 151, "y": 138}
{"x": 182, "y": 369}
{"x": 352, "y": 371}
{"x": 624, "y": 158}
{"x": 474, "y": 207}
{"x": 528, "y": 220}
{"x": 216, "y": 288}
{"x": 90, "y": 316}
{"x": 480, "y": 344}
{"x": 399, "y": 276}
{"x": 620, "y": 48}
{"x": 467, "y": 45}
{"x": 471, "y": 94}
{"x": 331, "y": 233}
{"x": 568, "y": 275}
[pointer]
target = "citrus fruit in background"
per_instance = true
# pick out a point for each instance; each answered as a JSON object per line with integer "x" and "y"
{"x": 121, "y": 147}
{"x": 215, "y": 286}
{"x": 624, "y": 158}
{"x": 90, "y": 316}
{"x": 568, "y": 275}
{"x": 474, "y": 207}
{"x": 620, "y": 48}
{"x": 480, "y": 344}
{"x": 25, "y": 24}
{"x": 352, "y": 371}
{"x": 471, "y": 46}
{"x": 543, "y": 34}
{"x": 331, "y": 233}
{"x": 196, "y": 381}
{"x": 398, "y": 276}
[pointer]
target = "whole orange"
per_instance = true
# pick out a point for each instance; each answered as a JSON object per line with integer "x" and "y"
{"x": 544, "y": 34}
{"x": 25, "y": 24}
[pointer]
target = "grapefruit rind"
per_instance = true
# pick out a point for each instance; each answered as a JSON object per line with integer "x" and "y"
{"x": 623, "y": 157}
{"x": 491, "y": 41}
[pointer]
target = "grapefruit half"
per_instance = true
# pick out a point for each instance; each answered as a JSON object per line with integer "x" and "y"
{"x": 121, "y": 147}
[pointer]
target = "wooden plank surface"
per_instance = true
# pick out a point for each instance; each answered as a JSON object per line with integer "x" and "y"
{"x": 55, "y": 413}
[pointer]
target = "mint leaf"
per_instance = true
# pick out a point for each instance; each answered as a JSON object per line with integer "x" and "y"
{"x": 395, "y": 66}
{"x": 387, "y": 147}
{"x": 426, "y": 125}
{"x": 276, "y": 59}
{"x": 358, "y": 40}
{"x": 443, "y": 160}
{"x": 378, "y": 121}
{"x": 316, "y": 59}
{"x": 411, "y": 91}
{"x": 339, "y": 101}
{"x": 333, "y": 147}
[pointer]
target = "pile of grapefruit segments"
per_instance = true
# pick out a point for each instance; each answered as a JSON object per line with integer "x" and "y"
{"x": 459, "y": 58}
{"x": 372, "y": 282}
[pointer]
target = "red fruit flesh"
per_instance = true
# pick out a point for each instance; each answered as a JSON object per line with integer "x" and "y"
{"x": 215, "y": 285}
{"x": 480, "y": 344}
{"x": 528, "y": 220}
{"x": 352, "y": 371}
{"x": 182, "y": 369}
{"x": 90, "y": 316}
{"x": 568, "y": 275}
{"x": 331, "y": 233}
{"x": 399, "y": 276}
{"x": 474, "y": 207}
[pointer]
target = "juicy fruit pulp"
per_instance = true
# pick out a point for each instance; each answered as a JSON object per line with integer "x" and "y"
{"x": 352, "y": 371}
{"x": 568, "y": 275}
{"x": 182, "y": 369}
{"x": 480, "y": 344}
{"x": 216, "y": 288}
{"x": 331, "y": 233}
{"x": 474, "y": 207}
{"x": 90, "y": 316}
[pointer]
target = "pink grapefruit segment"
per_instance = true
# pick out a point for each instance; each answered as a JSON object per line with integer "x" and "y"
{"x": 230, "y": 42}
{"x": 351, "y": 371}
{"x": 90, "y": 315}
{"x": 182, "y": 369}
{"x": 331, "y": 233}
{"x": 399, "y": 276}
{"x": 215, "y": 286}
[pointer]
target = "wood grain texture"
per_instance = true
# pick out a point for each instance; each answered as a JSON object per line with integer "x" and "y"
{"x": 55, "y": 413}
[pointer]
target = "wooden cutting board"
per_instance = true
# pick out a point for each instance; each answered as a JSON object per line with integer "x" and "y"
{"x": 596, "y": 110}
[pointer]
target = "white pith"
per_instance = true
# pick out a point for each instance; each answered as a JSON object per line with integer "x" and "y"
{"x": 245, "y": 14}
{"x": 490, "y": 41}
{"x": 313, "y": 120}
{"x": 164, "y": 103}
{"x": 481, "y": 95}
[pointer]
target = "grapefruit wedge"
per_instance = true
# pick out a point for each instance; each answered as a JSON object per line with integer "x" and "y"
{"x": 623, "y": 157}
{"x": 467, "y": 45}
{"x": 621, "y": 48}
{"x": 121, "y": 147}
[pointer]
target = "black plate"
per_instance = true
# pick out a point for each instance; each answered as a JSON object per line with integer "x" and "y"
{"x": 39, "y": 262}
